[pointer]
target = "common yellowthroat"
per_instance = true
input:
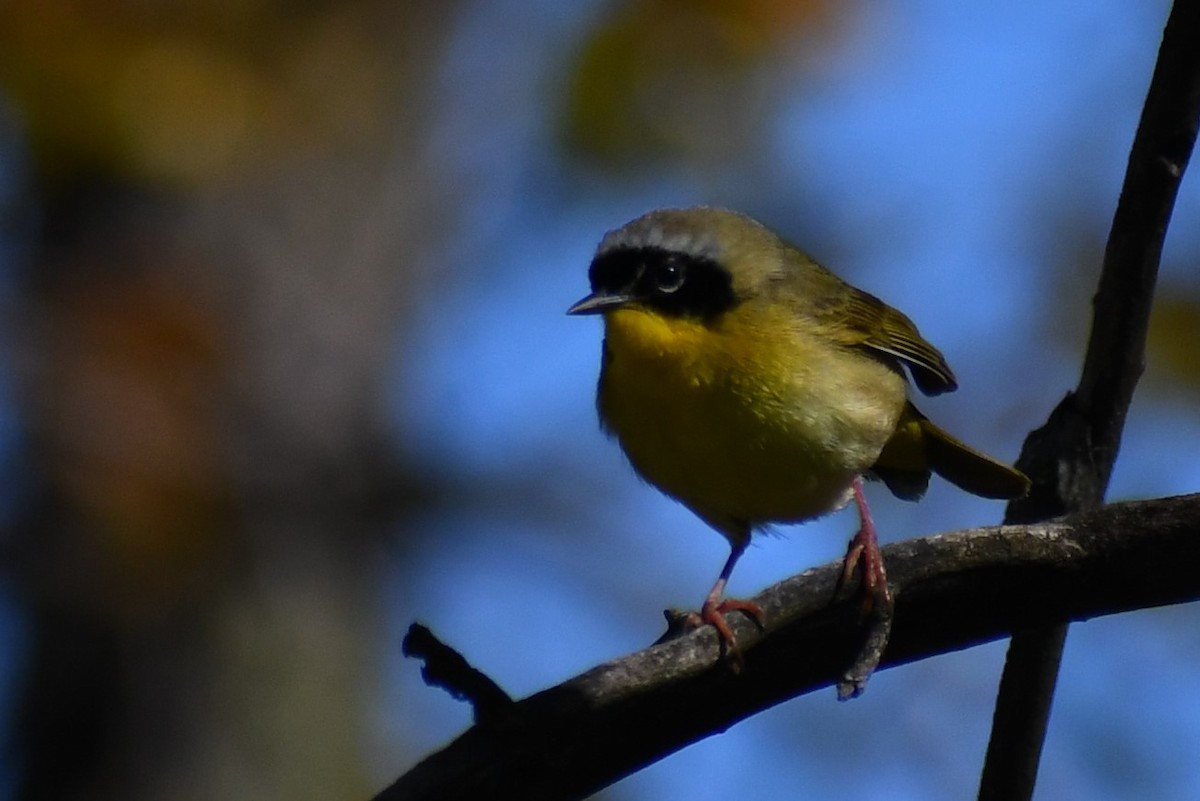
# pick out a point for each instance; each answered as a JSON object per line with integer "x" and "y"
{"x": 754, "y": 386}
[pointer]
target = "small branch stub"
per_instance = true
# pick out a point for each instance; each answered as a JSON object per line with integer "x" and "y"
{"x": 446, "y": 668}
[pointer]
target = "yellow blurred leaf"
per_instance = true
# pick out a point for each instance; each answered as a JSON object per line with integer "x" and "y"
{"x": 1173, "y": 343}
{"x": 185, "y": 92}
{"x": 679, "y": 76}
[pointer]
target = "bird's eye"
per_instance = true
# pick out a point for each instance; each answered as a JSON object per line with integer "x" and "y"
{"x": 668, "y": 276}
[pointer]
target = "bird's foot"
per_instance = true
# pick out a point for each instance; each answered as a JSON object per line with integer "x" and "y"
{"x": 863, "y": 552}
{"x": 713, "y": 612}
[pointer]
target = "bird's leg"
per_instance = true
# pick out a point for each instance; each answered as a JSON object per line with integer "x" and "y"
{"x": 713, "y": 609}
{"x": 864, "y": 552}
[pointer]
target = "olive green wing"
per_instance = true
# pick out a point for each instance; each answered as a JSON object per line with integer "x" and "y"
{"x": 882, "y": 328}
{"x": 856, "y": 318}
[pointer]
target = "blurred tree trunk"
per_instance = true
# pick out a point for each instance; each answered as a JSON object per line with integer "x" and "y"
{"x": 203, "y": 328}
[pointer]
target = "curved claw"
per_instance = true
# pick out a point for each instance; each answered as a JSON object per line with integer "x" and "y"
{"x": 864, "y": 552}
{"x": 713, "y": 613}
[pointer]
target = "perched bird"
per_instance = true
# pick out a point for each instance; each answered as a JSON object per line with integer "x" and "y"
{"x": 754, "y": 386}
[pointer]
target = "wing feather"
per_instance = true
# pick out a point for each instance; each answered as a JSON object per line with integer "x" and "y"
{"x": 858, "y": 319}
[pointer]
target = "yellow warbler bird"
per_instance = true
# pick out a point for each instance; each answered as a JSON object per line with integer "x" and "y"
{"x": 754, "y": 386}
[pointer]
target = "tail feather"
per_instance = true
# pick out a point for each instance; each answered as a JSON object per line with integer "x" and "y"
{"x": 918, "y": 446}
{"x": 968, "y": 469}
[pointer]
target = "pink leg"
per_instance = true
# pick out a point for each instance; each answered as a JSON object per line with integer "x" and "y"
{"x": 864, "y": 550}
{"x": 713, "y": 609}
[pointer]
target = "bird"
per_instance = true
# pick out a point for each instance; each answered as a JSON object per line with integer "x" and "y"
{"x": 754, "y": 386}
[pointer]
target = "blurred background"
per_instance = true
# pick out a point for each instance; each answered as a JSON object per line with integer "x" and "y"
{"x": 284, "y": 367}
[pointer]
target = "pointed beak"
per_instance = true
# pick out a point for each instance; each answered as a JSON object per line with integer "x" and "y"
{"x": 598, "y": 303}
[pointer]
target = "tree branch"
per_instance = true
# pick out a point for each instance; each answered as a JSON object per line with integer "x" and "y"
{"x": 952, "y": 591}
{"x": 1070, "y": 459}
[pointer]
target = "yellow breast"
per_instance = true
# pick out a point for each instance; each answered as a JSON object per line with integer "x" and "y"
{"x": 750, "y": 419}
